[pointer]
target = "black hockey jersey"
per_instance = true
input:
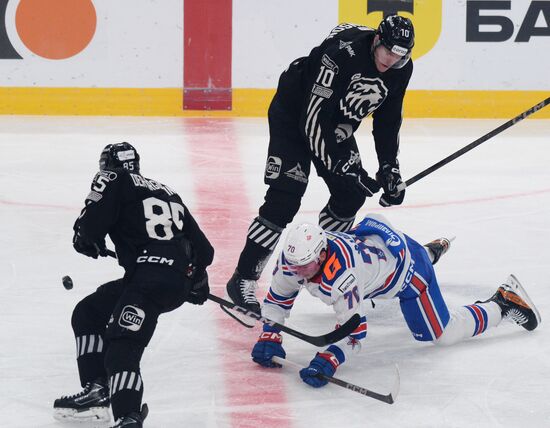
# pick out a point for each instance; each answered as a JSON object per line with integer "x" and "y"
{"x": 146, "y": 220}
{"x": 338, "y": 85}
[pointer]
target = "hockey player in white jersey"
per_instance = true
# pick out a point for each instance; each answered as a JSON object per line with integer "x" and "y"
{"x": 374, "y": 260}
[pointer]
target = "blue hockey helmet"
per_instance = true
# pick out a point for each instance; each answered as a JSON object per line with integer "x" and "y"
{"x": 119, "y": 155}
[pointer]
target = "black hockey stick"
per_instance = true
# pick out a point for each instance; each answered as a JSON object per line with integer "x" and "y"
{"x": 474, "y": 144}
{"x": 326, "y": 339}
{"x": 237, "y": 318}
{"x": 334, "y": 336}
{"x": 386, "y": 398}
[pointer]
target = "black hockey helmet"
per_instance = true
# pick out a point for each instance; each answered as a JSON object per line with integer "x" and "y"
{"x": 396, "y": 33}
{"x": 119, "y": 155}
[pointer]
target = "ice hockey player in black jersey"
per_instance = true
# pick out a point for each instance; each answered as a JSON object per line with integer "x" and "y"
{"x": 164, "y": 254}
{"x": 320, "y": 102}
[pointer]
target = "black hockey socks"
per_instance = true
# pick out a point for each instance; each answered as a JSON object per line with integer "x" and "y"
{"x": 331, "y": 222}
{"x": 125, "y": 383}
{"x": 126, "y": 392}
{"x": 261, "y": 240}
{"x": 278, "y": 209}
{"x": 89, "y": 356}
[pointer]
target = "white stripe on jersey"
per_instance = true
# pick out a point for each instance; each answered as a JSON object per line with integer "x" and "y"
{"x": 313, "y": 99}
{"x": 313, "y": 131}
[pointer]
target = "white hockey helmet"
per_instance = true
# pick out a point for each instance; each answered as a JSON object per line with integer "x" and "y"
{"x": 304, "y": 244}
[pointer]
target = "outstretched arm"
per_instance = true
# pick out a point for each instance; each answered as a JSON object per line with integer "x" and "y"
{"x": 277, "y": 306}
{"x": 386, "y": 125}
{"x": 348, "y": 303}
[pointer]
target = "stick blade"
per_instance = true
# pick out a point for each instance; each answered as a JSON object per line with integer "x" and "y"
{"x": 241, "y": 318}
{"x": 396, "y": 386}
{"x": 341, "y": 332}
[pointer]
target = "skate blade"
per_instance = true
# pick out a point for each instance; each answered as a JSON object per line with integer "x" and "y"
{"x": 93, "y": 414}
{"x": 516, "y": 286}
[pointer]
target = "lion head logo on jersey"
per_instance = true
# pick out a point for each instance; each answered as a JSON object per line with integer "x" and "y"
{"x": 364, "y": 95}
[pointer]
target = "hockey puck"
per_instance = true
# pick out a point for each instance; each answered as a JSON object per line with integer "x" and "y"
{"x": 67, "y": 282}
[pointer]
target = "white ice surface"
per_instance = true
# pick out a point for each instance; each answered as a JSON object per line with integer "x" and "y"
{"x": 495, "y": 199}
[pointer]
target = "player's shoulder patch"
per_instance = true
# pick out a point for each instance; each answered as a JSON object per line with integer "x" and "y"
{"x": 329, "y": 63}
{"x": 94, "y": 196}
{"x": 100, "y": 183}
{"x": 107, "y": 174}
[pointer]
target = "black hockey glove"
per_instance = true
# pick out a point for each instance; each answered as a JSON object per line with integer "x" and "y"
{"x": 199, "y": 288}
{"x": 89, "y": 248}
{"x": 389, "y": 177}
{"x": 350, "y": 169}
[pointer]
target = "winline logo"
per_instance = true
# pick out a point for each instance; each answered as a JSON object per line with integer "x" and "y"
{"x": 52, "y": 29}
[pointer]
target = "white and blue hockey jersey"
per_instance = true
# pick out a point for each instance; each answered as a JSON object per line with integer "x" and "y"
{"x": 370, "y": 261}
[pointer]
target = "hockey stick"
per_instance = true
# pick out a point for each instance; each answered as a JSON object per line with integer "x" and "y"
{"x": 237, "y": 318}
{"x": 386, "y": 398}
{"x": 474, "y": 144}
{"x": 326, "y": 339}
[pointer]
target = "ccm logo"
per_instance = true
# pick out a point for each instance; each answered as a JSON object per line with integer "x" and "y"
{"x": 155, "y": 259}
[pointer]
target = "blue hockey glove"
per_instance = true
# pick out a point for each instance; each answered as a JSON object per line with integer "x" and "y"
{"x": 324, "y": 363}
{"x": 270, "y": 344}
{"x": 389, "y": 177}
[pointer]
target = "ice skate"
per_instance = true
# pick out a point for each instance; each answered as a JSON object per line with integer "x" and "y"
{"x": 133, "y": 420}
{"x": 91, "y": 404}
{"x": 438, "y": 247}
{"x": 242, "y": 292}
{"x": 516, "y": 305}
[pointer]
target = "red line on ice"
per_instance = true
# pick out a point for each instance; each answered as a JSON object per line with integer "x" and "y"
{"x": 256, "y": 396}
{"x": 252, "y": 212}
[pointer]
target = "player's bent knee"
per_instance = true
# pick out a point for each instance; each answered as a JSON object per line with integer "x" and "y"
{"x": 280, "y": 206}
{"x": 348, "y": 207}
{"x": 345, "y": 202}
{"x": 83, "y": 317}
{"x": 450, "y": 336}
